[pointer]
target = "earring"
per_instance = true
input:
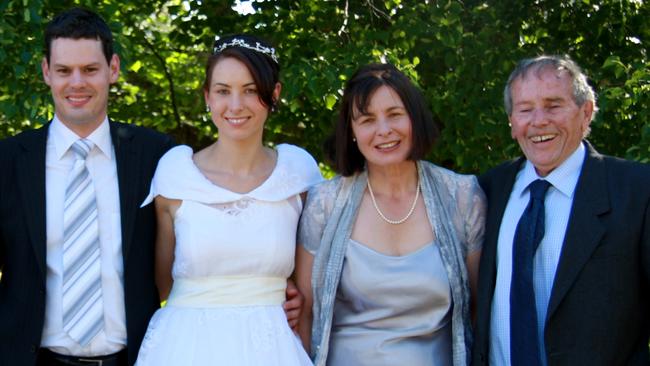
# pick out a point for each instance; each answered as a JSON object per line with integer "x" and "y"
{"x": 354, "y": 139}
{"x": 207, "y": 108}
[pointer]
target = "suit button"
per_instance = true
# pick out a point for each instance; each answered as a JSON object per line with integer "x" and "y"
{"x": 33, "y": 348}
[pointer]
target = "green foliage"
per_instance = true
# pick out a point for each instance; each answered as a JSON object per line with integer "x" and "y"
{"x": 459, "y": 52}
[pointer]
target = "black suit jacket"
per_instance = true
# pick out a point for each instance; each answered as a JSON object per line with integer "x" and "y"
{"x": 23, "y": 236}
{"x": 599, "y": 310}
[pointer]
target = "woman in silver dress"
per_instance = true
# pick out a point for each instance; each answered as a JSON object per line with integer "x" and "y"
{"x": 389, "y": 248}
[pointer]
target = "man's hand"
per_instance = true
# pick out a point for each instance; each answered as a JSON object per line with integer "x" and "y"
{"x": 293, "y": 305}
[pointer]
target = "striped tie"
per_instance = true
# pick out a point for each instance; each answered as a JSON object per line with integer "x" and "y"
{"x": 83, "y": 313}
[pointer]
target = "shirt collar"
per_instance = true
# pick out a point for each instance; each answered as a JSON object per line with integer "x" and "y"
{"x": 564, "y": 178}
{"x": 63, "y": 137}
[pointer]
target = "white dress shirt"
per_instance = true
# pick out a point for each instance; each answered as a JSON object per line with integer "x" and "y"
{"x": 103, "y": 170}
{"x": 557, "y": 203}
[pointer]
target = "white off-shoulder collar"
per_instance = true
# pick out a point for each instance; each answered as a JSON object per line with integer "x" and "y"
{"x": 177, "y": 177}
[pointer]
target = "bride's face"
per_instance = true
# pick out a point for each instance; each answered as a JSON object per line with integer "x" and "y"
{"x": 234, "y": 102}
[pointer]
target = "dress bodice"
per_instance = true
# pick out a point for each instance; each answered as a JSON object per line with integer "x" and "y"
{"x": 224, "y": 233}
{"x": 212, "y": 241}
{"x": 390, "y": 308}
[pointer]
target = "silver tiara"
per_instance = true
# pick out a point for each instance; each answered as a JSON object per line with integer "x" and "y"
{"x": 238, "y": 42}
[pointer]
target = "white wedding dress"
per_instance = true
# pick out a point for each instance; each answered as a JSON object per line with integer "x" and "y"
{"x": 233, "y": 255}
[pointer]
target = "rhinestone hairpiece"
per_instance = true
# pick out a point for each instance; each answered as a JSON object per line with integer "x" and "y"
{"x": 238, "y": 42}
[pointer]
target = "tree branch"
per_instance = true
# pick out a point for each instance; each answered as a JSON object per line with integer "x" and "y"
{"x": 168, "y": 75}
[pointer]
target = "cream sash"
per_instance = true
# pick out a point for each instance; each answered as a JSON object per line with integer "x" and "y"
{"x": 227, "y": 291}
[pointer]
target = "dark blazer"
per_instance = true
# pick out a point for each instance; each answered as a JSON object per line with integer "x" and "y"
{"x": 23, "y": 236}
{"x": 599, "y": 310}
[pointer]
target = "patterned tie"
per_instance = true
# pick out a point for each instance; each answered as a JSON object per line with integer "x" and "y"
{"x": 83, "y": 313}
{"x": 524, "y": 343}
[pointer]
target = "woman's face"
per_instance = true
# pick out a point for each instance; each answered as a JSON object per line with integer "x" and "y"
{"x": 383, "y": 134}
{"x": 235, "y": 106}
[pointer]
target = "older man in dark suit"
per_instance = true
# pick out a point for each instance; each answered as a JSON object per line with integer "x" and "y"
{"x": 565, "y": 270}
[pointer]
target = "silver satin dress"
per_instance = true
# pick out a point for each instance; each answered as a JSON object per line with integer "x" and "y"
{"x": 392, "y": 310}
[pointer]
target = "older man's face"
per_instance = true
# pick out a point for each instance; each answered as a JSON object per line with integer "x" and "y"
{"x": 545, "y": 120}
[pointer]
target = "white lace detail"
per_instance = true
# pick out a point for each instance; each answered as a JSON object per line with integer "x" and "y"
{"x": 234, "y": 208}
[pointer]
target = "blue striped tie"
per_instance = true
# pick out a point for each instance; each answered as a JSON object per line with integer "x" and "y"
{"x": 83, "y": 313}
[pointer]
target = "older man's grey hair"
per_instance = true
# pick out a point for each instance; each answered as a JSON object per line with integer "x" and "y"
{"x": 582, "y": 91}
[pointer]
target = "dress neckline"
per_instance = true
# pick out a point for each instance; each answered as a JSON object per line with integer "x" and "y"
{"x": 412, "y": 253}
{"x": 264, "y": 182}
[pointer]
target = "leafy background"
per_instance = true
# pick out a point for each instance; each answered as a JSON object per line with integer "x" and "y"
{"x": 458, "y": 52}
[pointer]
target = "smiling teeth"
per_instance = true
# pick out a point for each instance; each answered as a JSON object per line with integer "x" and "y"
{"x": 542, "y": 138}
{"x": 236, "y": 121}
{"x": 387, "y": 145}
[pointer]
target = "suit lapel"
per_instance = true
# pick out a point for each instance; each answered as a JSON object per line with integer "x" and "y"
{"x": 497, "y": 185}
{"x": 127, "y": 160}
{"x": 30, "y": 176}
{"x": 584, "y": 230}
{"x": 499, "y": 194}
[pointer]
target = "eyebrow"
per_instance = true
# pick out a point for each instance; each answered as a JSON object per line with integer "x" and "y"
{"x": 95, "y": 64}
{"x": 546, "y": 100}
{"x": 217, "y": 83}
{"x": 388, "y": 110}
{"x": 554, "y": 99}
{"x": 356, "y": 116}
{"x": 524, "y": 102}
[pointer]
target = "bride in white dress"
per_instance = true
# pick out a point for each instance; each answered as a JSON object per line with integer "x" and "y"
{"x": 227, "y": 218}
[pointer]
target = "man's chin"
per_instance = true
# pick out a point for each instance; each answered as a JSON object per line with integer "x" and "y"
{"x": 80, "y": 119}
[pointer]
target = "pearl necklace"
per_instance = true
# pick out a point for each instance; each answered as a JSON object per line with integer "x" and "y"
{"x": 394, "y": 222}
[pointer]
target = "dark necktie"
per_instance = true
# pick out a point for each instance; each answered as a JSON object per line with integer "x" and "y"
{"x": 524, "y": 343}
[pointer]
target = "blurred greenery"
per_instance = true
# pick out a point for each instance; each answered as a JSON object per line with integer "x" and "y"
{"x": 459, "y": 53}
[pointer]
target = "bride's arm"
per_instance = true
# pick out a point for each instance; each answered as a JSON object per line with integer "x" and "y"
{"x": 165, "y": 243}
{"x": 304, "y": 262}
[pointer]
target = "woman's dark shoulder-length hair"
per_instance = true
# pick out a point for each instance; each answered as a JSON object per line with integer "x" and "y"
{"x": 342, "y": 152}
{"x": 264, "y": 69}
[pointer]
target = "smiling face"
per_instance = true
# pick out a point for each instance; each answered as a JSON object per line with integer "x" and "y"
{"x": 545, "y": 120}
{"x": 383, "y": 133}
{"x": 79, "y": 78}
{"x": 234, "y": 103}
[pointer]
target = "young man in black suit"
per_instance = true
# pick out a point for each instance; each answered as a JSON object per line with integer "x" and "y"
{"x": 79, "y": 66}
{"x": 580, "y": 295}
